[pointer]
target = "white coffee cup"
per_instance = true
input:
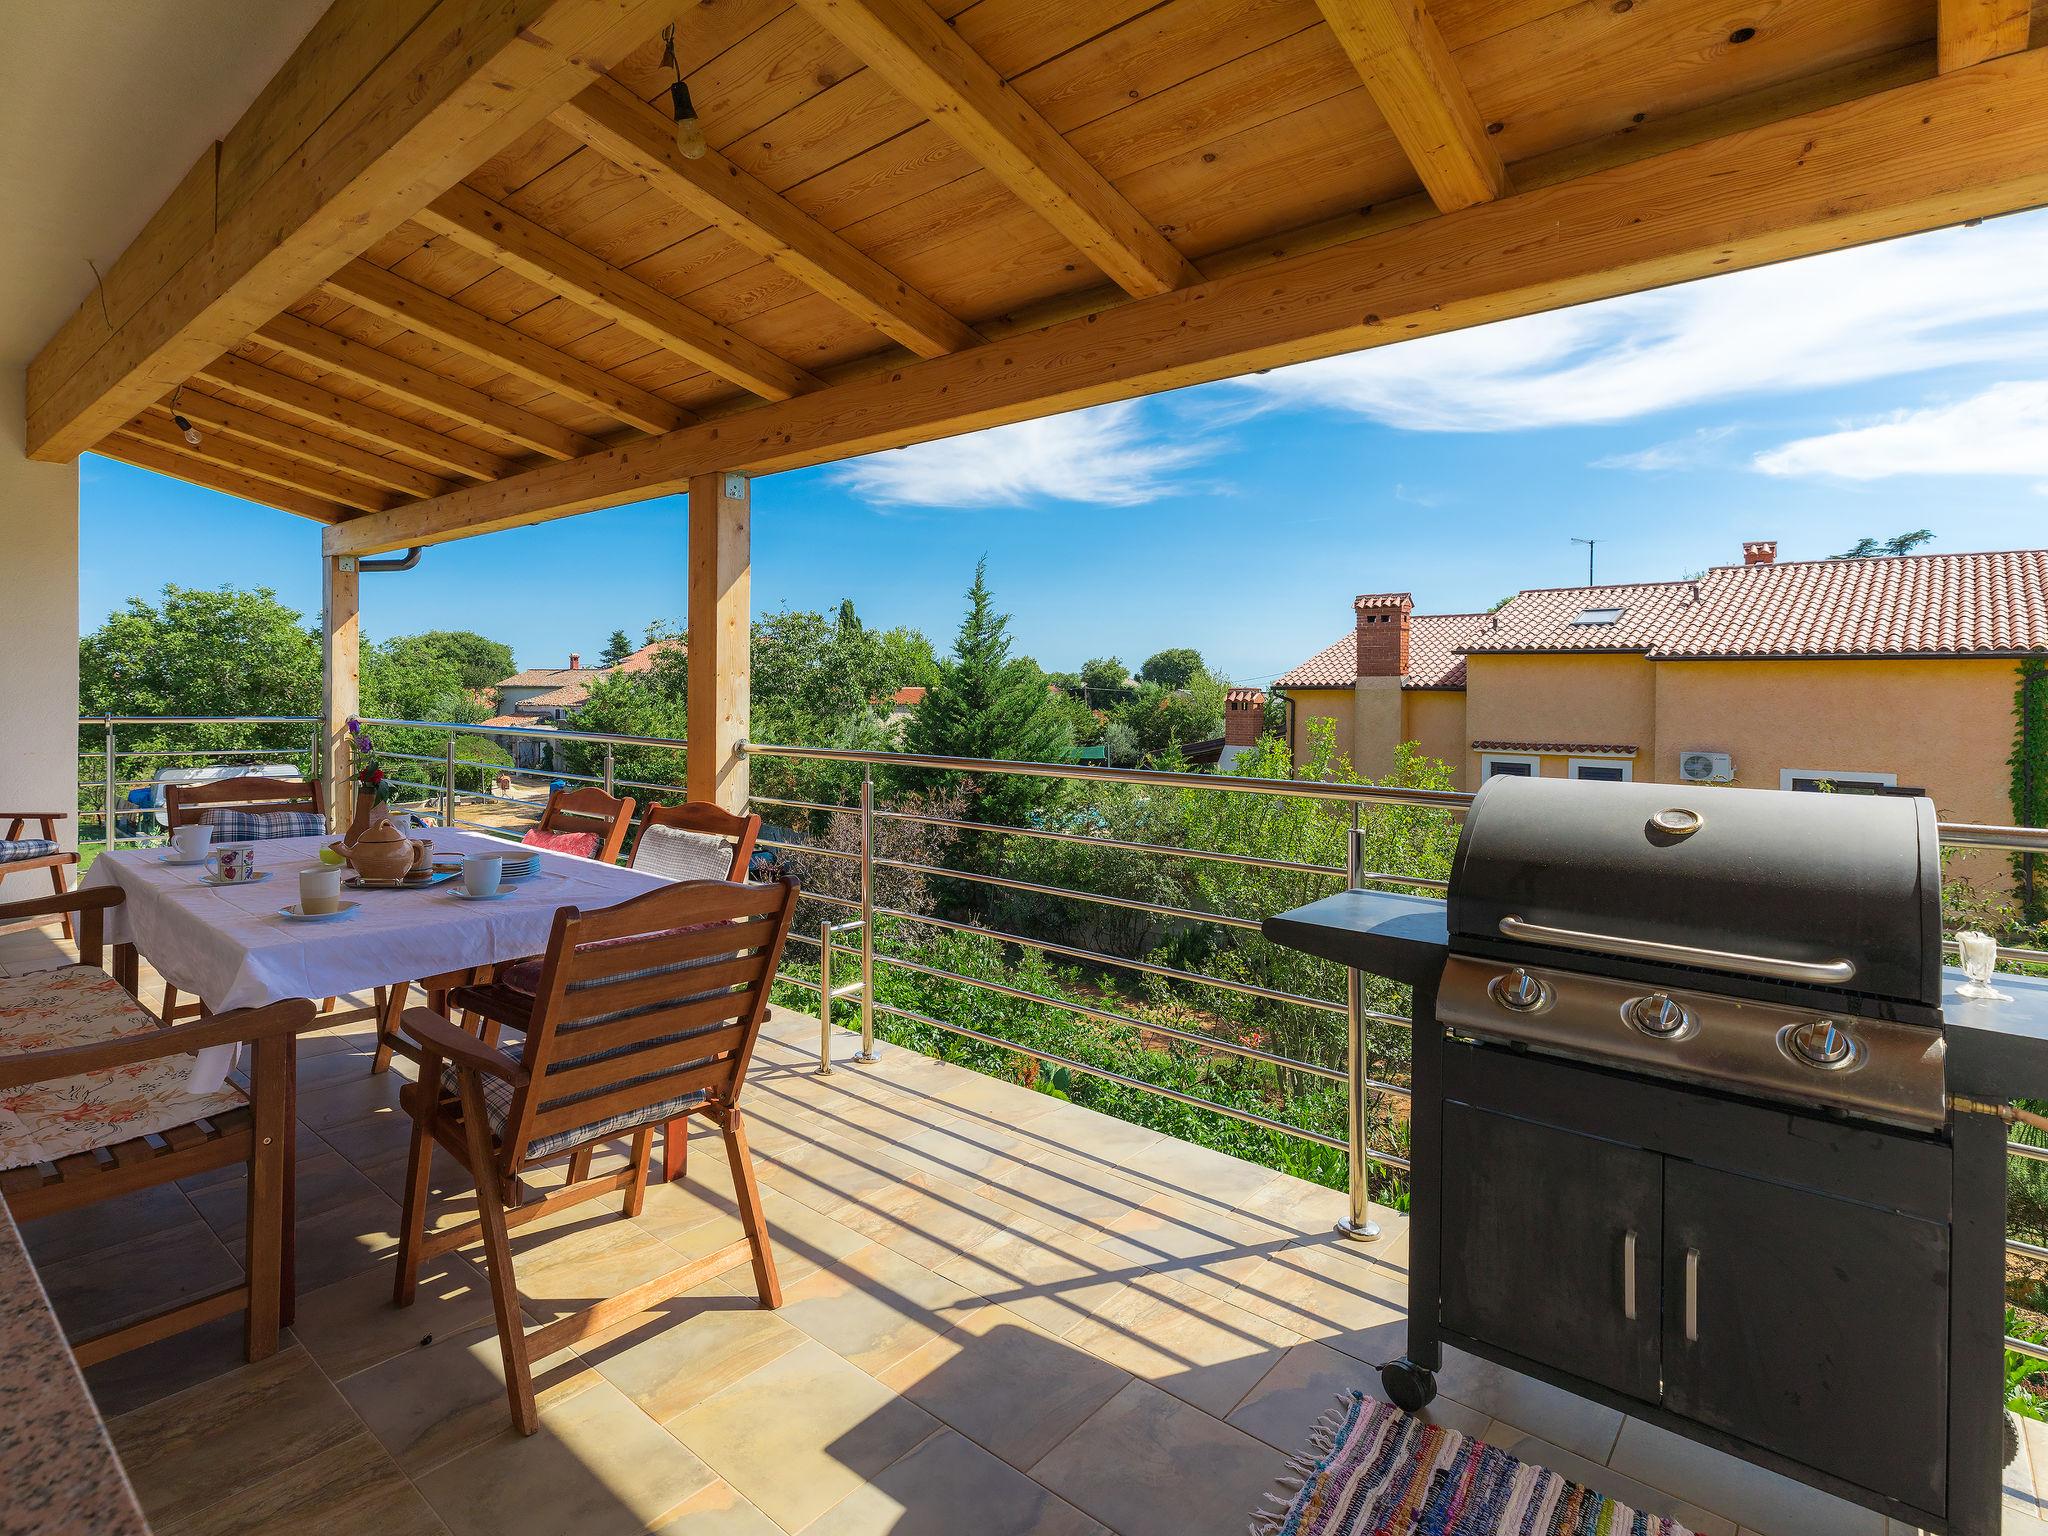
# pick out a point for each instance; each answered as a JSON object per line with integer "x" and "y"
{"x": 482, "y": 873}
{"x": 319, "y": 890}
{"x": 192, "y": 841}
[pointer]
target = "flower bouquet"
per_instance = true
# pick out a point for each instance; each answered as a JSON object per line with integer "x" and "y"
{"x": 374, "y": 789}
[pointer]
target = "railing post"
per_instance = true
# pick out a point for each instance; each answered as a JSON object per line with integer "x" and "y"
{"x": 448, "y": 786}
{"x": 107, "y": 809}
{"x": 867, "y": 915}
{"x": 824, "y": 998}
{"x": 1357, "y": 1223}
{"x": 608, "y": 767}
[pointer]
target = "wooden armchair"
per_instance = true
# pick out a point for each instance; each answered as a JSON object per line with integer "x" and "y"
{"x": 19, "y": 855}
{"x": 681, "y": 847}
{"x": 93, "y": 1105}
{"x": 588, "y": 810}
{"x": 646, "y": 1012}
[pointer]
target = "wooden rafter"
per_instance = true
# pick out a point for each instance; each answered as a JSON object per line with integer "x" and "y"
{"x": 625, "y": 130}
{"x": 928, "y": 64}
{"x": 1412, "y": 79}
{"x": 394, "y": 375}
{"x": 354, "y": 419}
{"x": 154, "y": 425}
{"x": 406, "y": 303}
{"x": 218, "y": 415}
{"x": 147, "y": 453}
{"x": 1970, "y": 31}
{"x": 541, "y": 256}
{"x": 1921, "y": 156}
{"x": 320, "y": 166}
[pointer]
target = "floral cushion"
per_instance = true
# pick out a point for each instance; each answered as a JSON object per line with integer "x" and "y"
{"x": 582, "y": 844}
{"x": 81, "y": 1005}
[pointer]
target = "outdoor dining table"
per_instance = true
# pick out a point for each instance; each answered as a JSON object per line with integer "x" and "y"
{"x": 229, "y": 945}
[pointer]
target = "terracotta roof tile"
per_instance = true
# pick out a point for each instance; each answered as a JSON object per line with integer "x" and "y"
{"x": 1435, "y": 641}
{"x": 1587, "y": 748}
{"x": 1568, "y": 618}
{"x": 545, "y": 677}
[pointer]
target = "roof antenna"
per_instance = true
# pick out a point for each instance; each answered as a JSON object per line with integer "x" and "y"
{"x": 1589, "y": 543}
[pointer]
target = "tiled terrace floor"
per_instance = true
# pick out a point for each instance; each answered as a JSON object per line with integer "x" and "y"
{"x": 1004, "y": 1315}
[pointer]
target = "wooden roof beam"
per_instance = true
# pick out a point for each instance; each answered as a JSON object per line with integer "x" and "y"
{"x": 149, "y": 453}
{"x": 326, "y": 161}
{"x": 336, "y": 353}
{"x": 1970, "y": 31}
{"x": 541, "y": 256}
{"x": 1411, "y": 77}
{"x": 1933, "y": 153}
{"x": 932, "y": 67}
{"x": 353, "y": 418}
{"x": 406, "y": 303}
{"x": 211, "y": 413}
{"x": 155, "y": 425}
{"x": 627, "y": 131}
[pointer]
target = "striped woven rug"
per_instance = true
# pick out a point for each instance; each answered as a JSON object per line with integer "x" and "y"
{"x": 1372, "y": 1470}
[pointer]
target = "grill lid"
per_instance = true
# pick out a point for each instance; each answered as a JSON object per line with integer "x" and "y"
{"x": 1842, "y": 891}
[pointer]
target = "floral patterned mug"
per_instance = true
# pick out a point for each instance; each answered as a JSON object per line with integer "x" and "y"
{"x": 234, "y": 864}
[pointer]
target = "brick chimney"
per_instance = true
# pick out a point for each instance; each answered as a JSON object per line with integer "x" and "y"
{"x": 575, "y": 661}
{"x": 1244, "y": 716}
{"x": 1383, "y": 633}
{"x": 1760, "y": 552}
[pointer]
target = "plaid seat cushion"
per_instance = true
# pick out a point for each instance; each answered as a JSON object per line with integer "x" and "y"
{"x": 676, "y": 853}
{"x": 234, "y": 826}
{"x": 524, "y": 975}
{"x": 26, "y": 848}
{"x": 498, "y": 1106}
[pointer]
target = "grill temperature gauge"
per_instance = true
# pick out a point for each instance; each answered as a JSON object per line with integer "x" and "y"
{"x": 1520, "y": 991}
{"x": 1659, "y": 1015}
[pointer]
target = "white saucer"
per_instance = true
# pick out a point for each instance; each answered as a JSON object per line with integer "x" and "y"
{"x": 503, "y": 890}
{"x": 166, "y": 858}
{"x": 293, "y": 913}
{"x": 260, "y": 875}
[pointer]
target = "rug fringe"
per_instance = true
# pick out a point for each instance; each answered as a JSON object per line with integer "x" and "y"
{"x": 1298, "y": 1469}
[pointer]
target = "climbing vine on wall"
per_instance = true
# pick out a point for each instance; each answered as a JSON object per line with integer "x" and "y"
{"x": 2029, "y": 762}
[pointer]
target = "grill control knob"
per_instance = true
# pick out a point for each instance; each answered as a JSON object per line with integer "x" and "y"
{"x": 1658, "y": 1014}
{"x": 1823, "y": 1043}
{"x": 1520, "y": 991}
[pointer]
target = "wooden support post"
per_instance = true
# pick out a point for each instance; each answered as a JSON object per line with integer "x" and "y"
{"x": 720, "y": 509}
{"x": 342, "y": 675}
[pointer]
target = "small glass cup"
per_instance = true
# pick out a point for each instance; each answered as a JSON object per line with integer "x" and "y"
{"x": 1980, "y": 962}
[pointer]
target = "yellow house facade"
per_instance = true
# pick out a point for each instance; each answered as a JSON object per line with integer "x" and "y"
{"x": 1861, "y": 676}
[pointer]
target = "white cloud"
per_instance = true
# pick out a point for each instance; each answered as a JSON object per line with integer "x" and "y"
{"x": 2003, "y": 431}
{"x": 1687, "y": 452}
{"x": 1960, "y": 296}
{"x": 1100, "y": 456}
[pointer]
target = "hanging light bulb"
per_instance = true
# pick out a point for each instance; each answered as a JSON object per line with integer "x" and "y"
{"x": 182, "y": 423}
{"x": 689, "y": 132}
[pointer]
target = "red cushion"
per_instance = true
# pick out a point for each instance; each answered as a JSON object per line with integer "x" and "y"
{"x": 582, "y": 844}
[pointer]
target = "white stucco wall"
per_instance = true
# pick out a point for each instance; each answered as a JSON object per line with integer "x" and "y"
{"x": 38, "y": 622}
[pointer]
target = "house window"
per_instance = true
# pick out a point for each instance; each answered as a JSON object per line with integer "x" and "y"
{"x": 1598, "y": 616}
{"x": 1606, "y": 770}
{"x": 1493, "y": 766}
{"x": 1836, "y": 781}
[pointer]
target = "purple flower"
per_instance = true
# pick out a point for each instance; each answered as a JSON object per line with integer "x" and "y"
{"x": 354, "y": 724}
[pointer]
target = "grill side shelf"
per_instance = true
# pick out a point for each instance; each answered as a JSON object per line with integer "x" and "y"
{"x": 1997, "y": 1051}
{"x": 1403, "y": 938}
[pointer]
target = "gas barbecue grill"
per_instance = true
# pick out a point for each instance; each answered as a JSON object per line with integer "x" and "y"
{"x": 1682, "y": 1135}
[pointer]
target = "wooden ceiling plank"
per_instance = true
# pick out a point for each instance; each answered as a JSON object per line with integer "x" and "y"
{"x": 448, "y": 84}
{"x": 544, "y": 257}
{"x": 633, "y": 135}
{"x": 359, "y": 360}
{"x": 1971, "y": 144}
{"x": 406, "y": 303}
{"x": 354, "y": 418}
{"x": 155, "y": 425}
{"x": 211, "y": 413}
{"x": 1414, "y": 82}
{"x": 145, "y": 453}
{"x": 1970, "y": 31}
{"x": 933, "y": 68}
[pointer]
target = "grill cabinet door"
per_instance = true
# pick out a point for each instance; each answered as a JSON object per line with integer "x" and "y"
{"x": 1536, "y": 1225}
{"x": 1820, "y": 1328}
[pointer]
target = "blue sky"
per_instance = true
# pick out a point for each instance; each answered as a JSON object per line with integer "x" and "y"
{"x": 1865, "y": 392}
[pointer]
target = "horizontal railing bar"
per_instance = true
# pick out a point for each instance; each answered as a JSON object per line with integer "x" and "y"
{"x": 824, "y": 853}
{"x": 1137, "y": 1084}
{"x": 1127, "y": 903}
{"x": 288, "y": 753}
{"x": 539, "y": 733}
{"x": 655, "y": 789}
{"x": 1114, "y": 845}
{"x": 1970, "y": 834}
{"x": 830, "y": 901}
{"x": 2026, "y": 1347}
{"x": 2031, "y": 1154}
{"x": 1109, "y": 1016}
{"x": 87, "y": 721}
{"x": 1149, "y": 967}
{"x": 802, "y": 805}
{"x": 2031, "y": 1250}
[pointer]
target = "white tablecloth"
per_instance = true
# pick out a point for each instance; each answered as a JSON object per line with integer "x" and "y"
{"x": 227, "y": 945}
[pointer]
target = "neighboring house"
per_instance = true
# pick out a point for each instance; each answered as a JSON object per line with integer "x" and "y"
{"x": 1862, "y": 676}
{"x": 541, "y": 697}
{"x": 1244, "y": 721}
{"x": 902, "y": 705}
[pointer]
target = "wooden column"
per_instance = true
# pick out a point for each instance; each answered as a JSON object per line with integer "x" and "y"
{"x": 720, "y": 509}
{"x": 341, "y": 665}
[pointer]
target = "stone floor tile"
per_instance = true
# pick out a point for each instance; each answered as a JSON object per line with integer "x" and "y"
{"x": 1305, "y": 1384}
{"x": 351, "y": 1325}
{"x": 1604, "y": 1479}
{"x": 946, "y": 1485}
{"x": 326, "y": 1181}
{"x": 1216, "y": 1176}
{"x": 112, "y": 1286}
{"x": 598, "y": 1466}
{"x": 1332, "y": 1289}
{"x": 1202, "y": 1349}
{"x": 718, "y": 1510}
{"x": 169, "y": 1366}
{"x": 349, "y": 1489}
{"x": 690, "y": 1348}
{"x": 795, "y": 1464}
{"x": 1529, "y": 1406}
{"x": 1751, "y": 1496}
{"x": 873, "y": 1307}
{"x": 925, "y": 1219}
{"x": 1148, "y": 1464}
{"x": 351, "y": 1098}
{"x": 123, "y": 1219}
{"x": 1013, "y": 1389}
{"x": 1195, "y": 1243}
{"x": 1048, "y": 1276}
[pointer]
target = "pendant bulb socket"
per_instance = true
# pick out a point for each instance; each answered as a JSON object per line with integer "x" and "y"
{"x": 191, "y": 432}
{"x": 690, "y": 142}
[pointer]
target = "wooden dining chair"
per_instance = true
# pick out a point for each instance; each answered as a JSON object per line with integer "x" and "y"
{"x": 93, "y": 1105}
{"x": 646, "y": 1012}
{"x": 584, "y": 812}
{"x": 19, "y": 854}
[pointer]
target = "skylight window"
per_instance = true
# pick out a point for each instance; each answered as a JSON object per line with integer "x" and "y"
{"x": 1598, "y": 616}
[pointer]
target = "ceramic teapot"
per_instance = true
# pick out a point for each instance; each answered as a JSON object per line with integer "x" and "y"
{"x": 382, "y": 852}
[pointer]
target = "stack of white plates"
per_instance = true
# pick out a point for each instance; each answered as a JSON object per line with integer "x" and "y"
{"x": 519, "y": 865}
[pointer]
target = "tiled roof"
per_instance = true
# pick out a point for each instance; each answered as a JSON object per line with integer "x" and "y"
{"x": 1434, "y": 643}
{"x": 1587, "y": 748}
{"x": 907, "y": 698}
{"x": 504, "y": 720}
{"x": 1548, "y": 618}
{"x": 1243, "y": 695}
{"x": 1901, "y": 605}
{"x": 546, "y": 677}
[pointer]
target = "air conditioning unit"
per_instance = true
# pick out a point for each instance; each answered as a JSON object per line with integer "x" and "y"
{"x": 1706, "y": 767}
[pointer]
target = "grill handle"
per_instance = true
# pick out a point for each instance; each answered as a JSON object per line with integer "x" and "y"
{"x": 1768, "y": 967}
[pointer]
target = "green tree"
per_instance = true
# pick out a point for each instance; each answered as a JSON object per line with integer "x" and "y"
{"x": 1173, "y": 668}
{"x": 1898, "y": 544}
{"x": 1107, "y": 681}
{"x": 479, "y": 661}
{"x": 616, "y": 649}
{"x": 226, "y": 652}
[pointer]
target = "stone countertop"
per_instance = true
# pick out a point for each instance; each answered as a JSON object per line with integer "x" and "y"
{"x": 59, "y": 1475}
